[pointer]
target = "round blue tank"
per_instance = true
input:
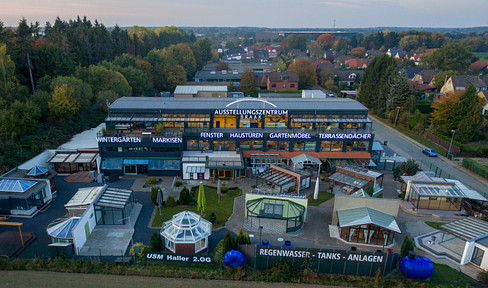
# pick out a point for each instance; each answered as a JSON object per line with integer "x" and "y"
{"x": 233, "y": 259}
{"x": 418, "y": 267}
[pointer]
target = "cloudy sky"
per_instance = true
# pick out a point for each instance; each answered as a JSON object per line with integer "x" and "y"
{"x": 261, "y": 13}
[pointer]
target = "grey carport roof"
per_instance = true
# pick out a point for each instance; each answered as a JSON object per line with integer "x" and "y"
{"x": 467, "y": 228}
{"x": 364, "y": 215}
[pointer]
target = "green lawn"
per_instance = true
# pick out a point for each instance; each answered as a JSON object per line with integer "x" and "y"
{"x": 435, "y": 225}
{"x": 445, "y": 275}
{"x": 482, "y": 55}
{"x": 323, "y": 196}
{"x": 380, "y": 195}
{"x": 222, "y": 210}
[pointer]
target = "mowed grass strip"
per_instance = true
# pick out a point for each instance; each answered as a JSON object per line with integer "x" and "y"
{"x": 322, "y": 197}
{"x": 222, "y": 209}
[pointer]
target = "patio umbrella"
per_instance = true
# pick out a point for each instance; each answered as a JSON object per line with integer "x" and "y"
{"x": 316, "y": 191}
{"x": 218, "y": 189}
{"x": 201, "y": 202}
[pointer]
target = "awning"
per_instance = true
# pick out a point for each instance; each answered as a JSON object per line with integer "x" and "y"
{"x": 348, "y": 180}
{"x": 363, "y": 216}
{"x": 195, "y": 169}
{"x": 467, "y": 228}
{"x": 136, "y": 162}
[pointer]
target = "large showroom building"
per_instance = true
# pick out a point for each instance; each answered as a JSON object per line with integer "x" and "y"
{"x": 209, "y": 138}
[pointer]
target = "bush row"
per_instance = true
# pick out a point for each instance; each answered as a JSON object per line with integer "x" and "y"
{"x": 475, "y": 167}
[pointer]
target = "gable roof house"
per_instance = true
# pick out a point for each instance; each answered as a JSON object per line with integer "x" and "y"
{"x": 396, "y": 53}
{"x": 478, "y": 66}
{"x": 349, "y": 76}
{"x": 425, "y": 76}
{"x": 357, "y": 63}
{"x": 373, "y": 53}
{"x": 287, "y": 80}
{"x": 484, "y": 95}
{"x": 461, "y": 83}
{"x": 411, "y": 72}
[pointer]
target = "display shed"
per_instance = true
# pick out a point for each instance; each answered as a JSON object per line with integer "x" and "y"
{"x": 291, "y": 213}
{"x": 186, "y": 233}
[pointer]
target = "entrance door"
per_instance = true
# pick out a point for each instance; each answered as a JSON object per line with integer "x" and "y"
{"x": 201, "y": 176}
{"x": 130, "y": 169}
{"x": 217, "y": 124}
{"x": 142, "y": 169}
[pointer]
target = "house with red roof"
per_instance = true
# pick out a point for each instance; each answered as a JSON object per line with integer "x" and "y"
{"x": 287, "y": 80}
{"x": 478, "y": 66}
{"x": 357, "y": 63}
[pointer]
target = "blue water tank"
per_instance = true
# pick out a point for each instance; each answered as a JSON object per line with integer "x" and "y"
{"x": 234, "y": 258}
{"x": 418, "y": 267}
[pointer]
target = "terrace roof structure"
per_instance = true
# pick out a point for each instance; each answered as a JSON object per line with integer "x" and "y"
{"x": 467, "y": 228}
{"x": 364, "y": 215}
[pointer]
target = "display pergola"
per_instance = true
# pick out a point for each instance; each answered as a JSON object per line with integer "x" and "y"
{"x": 271, "y": 208}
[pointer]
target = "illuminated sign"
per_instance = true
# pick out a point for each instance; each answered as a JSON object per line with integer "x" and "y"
{"x": 251, "y": 113}
{"x": 322, "y": 255}
{"x": 356, "y": 136}
{"x": 170, "y": 257}
{"x": 290, "y": 135}
{"x": 247, "y": 135}
{"x": 122, "y": 139}
{"x": 167, "y": 140}
{"x": 211, "y": 135}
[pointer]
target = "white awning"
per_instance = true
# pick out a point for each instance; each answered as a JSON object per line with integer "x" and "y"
{"x": 195, "y": 169}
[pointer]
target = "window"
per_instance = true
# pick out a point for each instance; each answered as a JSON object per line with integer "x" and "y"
{"x": 170, "y": 245}
{"x": 477, "y": 256}
{"x": 199, "y": 245}
{"x": 292, "y": 85}
{"x": 284, "y": 85}
{"x": 273, "y": 85}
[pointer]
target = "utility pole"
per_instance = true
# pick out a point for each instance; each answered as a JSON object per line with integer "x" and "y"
{"x": 334, "y": 23}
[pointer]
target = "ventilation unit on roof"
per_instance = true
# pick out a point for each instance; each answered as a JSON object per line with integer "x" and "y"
{"x": 224, "y": 71}
{"x": 235, "y": 72}
{"x": 213, "y": 72}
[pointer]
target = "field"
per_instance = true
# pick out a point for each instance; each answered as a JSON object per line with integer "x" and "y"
{"x": 482, "y": 55}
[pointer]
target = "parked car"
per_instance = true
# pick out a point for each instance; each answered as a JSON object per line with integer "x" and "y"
{"x": 431, "y": 152}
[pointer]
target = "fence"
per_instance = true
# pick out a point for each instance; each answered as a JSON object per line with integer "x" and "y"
{"x": 444, "y": 144}
{"x": 329, "y": 261}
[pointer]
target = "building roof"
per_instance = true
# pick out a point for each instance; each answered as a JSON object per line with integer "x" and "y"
{"x": 483, "y": 240}
{"x": 84, "y": 196}
{"x": 305, "y": 157}
{"x": 360, "y": 193}
{"x": 62, "y": 230}
{"x": 289, "y": 76}
{"x": 16, "y": 186}
{"x": 313, "y": 94}
{"x": 348, "y": 180}
{"x": 37, "y": 171}
{"x": 186, "y": 227}
{"x": 464, "y": 81}
{"x": 131, "y": 104}
{"x": 344, "y": 75}
{"x": 114, "y": 197}
{"x": 214, "y": 75}
{"x": 186, "y": 89}
{"x": 467, "y": 228}
{"x": 427, "y": 75}
{"x": 478, "y": 65}
{"x": 62, "y": 156}
{"x": 357, "y": 63}
{"x": 364, "y": 215}
{"x": 412, "y": 71}
{"x": 377, "y": 146}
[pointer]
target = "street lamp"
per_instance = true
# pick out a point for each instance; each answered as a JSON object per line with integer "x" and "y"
{"x": 450, "y": 144}
{"x": 396, "y": 117}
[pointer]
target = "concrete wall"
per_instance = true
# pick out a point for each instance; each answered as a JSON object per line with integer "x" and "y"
{"x": 343, "y": 202}
{"x": 79, "y": 236}
{"x": 468, "y": 254}
{"x": 301, "y": 201}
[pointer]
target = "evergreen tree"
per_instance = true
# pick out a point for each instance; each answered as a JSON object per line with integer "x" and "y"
{"x": 407, "y": 246}
{"x": 156, "y": 242}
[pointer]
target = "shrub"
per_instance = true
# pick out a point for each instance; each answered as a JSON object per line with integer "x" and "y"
{"x": 224, "y": 189}
{"x": 156, "y": 242}
{"x": 178, "y": 183}
{"x": 407, "y": 246}
{"x": 402, "y": 195}
{"x": 143, "y": 249}
{"x": 369, "y": 191}
{"x": 219, "y": 252}
{"x": 475, "y": 167}
{"x": 408, "y": 168}
{"x": 229, "y": 242}
{"x": 170, "y": 201}
{"x": 242, "y": 238}
{"x": 185, "y": 197}
{"x": 322, "y": 178}
{"x": 154, "y": 194}
{"x": 151, "y": 180}
{"x": 212, "y": 218}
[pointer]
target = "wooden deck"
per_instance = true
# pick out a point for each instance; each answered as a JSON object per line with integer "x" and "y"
{"x": 80, "y": 177}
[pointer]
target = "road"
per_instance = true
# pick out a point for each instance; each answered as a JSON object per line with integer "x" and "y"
{"x": 408, "y": 148}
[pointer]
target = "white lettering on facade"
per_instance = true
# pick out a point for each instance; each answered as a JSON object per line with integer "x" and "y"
{"x": 211, "y": 135}
{"x": 290, "y": 135}
{"x": 247, "y": 135}
{"x": 123, "y": 139}
{"x": 167, "y": 140}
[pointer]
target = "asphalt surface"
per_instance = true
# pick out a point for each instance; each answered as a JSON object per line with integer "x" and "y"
{"x": 408, "y": 148}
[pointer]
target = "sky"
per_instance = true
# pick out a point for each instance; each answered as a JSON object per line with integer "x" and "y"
{"x": 254, "y": 13}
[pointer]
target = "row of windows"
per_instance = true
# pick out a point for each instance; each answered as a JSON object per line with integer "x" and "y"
{"x": 141, "y": 149}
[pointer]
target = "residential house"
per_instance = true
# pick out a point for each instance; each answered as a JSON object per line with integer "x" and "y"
{"x": 396, "y": 53}
{"x": 357, "y": 63}
{"x": 287, "y": 80}
{"x": 461, "y": 82}
{"x": 272, "y": 51}
{"x": 416, "y": 58}
{"x": 342, "y": 59}
{"x": 420, "y": 87}
{"x": 349, "y": 76}
{"x": 411, "y": 72}
{"x": 484, "y": 94}
{"x": 478, "y": 66}
{"x": 296, "y": 53}
{"x": 374, "y": 53}
{"x": 425, "y": 76}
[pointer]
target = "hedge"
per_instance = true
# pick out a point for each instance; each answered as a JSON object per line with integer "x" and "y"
{"x": 475, "y": 167}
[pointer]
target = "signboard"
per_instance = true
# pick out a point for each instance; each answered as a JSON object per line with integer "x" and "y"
{"x": 251, "y": 113}
{"x": 122, "y": 139}
{"x": 340, "y": 136}
{"x": 170, "y": 257}
{"x": 167, "y": 140}
{"x": 325, "y": 255}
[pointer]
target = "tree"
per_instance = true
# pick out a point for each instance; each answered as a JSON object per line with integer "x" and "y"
{"x": 185, "y": 197}
{"x": 296, "y": 42}
{"x": 82, "y": 91}
{"x": 182, "y": 54}
{"x": 170, "y": 201}
{"x": 242, "y": 238}
{"x": 441, "y": 78}
{"x": 229, "y": 242}
{"x": 452, "y": 56}
{"x": 418, "y": 121}
{"x": 222, "y": 66}
{"x": 358, "y": 52}
{"x": 249, "y": 82}
{"x": 101, "y": 78}
{"x": 340, "y": 44}
{"x": 104, "y": 98}
{"x": 63, "y": 104}
{"x": 202, "y": 51}
{"x": 325, "y": 40}
{"x": 154, "y": 194}
{"x": 407, "y": 246}
{"x": 174, "y": 75}
{"x": 316, "y": 50}
{"x": 408, "y": 168}
{"x": 306, "y": 73}
{"x": 156, "y": 242}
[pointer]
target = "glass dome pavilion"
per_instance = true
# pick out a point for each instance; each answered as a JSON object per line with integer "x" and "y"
{"x": 186, "y": 233}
